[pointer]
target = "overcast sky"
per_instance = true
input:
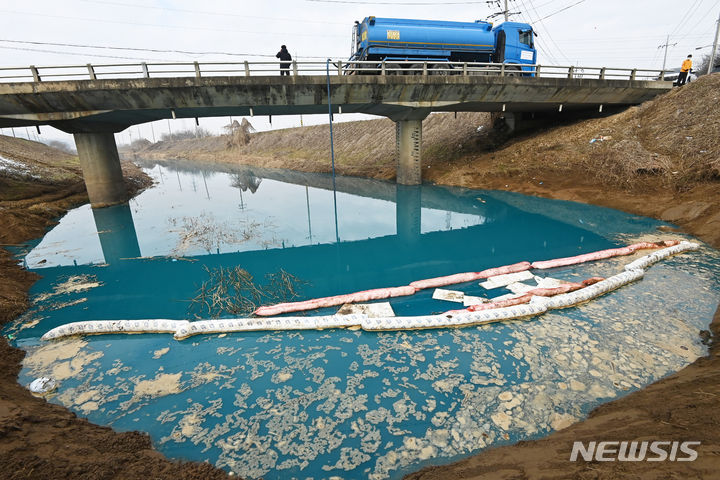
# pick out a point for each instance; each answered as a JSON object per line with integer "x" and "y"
{"x": 617, "y": 33}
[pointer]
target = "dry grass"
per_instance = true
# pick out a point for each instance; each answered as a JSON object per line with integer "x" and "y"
{"x": 363, "y": 148}
{"x": 207, "y": 232}
{"x": 233, "y": 291}
{"x": 672, "y": 139}
{"x": 369, "y": 142}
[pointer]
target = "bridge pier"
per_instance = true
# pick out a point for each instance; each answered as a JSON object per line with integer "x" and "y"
{"x": 100, "y": 164}
{"x": 408, "y": 137}
{"x": 408, "y": 207}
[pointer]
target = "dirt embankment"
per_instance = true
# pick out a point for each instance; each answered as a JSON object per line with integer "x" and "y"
{"x": 37, "y": 439}
{"x": 365, "y": 149}
{"x": 661, "y": 159}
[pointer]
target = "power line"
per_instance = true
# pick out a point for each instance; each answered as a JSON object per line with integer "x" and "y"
{"x": 617, "y": 39}
{"x": 704, "y": 17}
{"x": 686, "y": 17}
{"x": 539, "y": 46}
{"x": 561, "y": 10}
{"x": 153, "y": 50}
{"x": 547, "y": 32}
{"x": 546, "y": 3}
{"x": 398, "y": 3}
{"x": 183, "y": 27}
{"x": 75, "y": 53}
{"x": 202, "y": 12}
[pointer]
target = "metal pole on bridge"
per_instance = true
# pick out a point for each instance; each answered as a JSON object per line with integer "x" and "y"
{"x": 714, "y": 48}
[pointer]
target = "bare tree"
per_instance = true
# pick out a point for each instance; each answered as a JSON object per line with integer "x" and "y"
{"x": 62, "y": 146}
{"x": 701, "y": 67}
{"x": 238, "y": 133}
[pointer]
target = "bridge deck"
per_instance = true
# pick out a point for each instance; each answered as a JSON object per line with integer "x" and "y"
{"x": 113, "y": 105}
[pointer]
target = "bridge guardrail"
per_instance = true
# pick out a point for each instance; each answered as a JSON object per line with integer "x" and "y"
{"x": 338, "y": 67}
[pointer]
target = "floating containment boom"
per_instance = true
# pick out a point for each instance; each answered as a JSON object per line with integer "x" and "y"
{"x": 532, "y": 303}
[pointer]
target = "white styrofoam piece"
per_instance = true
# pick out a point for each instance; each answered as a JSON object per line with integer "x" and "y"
{"x": 507, "y": 279}
{"x": 448, "y": 295}
{"x": 520, "y": 288}
{"x": 470, "y": 300}
{"x": 372, "y": 310}
{"x": 547, "y": 282}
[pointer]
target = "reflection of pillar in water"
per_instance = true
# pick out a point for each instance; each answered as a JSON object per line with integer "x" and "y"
{"x": 205, "y": 182}
{"x": 116, "y": 231}
{"x": 407, "y": 212}
{"x": 307, "y": 201}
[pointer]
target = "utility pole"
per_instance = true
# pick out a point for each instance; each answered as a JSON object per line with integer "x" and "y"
{"x": 506, "y": 13}
{"x": 665, "y": 46}
{"x": 714, "y": 47}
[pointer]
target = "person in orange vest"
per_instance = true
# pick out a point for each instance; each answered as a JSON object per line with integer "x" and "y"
{"x": 685, "y": 70}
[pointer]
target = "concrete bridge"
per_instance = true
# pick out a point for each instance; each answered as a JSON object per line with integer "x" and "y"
{"x": 93, "y": 110}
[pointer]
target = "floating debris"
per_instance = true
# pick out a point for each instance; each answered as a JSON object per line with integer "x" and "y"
{"x": 469, "y": 300}
{"x": 42, "y": 386}
{"x": 507, "y": 279}
{"x": 233, "y": 291}
{"x": 371, "y": 310}
{"x": 448, "y": 295}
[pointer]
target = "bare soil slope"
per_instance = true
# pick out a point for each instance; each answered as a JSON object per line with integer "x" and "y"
{"x": 37, "y": 439}
{"x": 364, "y": 148}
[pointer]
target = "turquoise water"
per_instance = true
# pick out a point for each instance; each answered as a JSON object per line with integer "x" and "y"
{"x": 350, "y": 404}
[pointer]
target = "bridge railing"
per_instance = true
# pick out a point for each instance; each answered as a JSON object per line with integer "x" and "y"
{"x": 295, "y": 68}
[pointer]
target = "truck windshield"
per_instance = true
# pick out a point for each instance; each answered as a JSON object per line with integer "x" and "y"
{"x": 526, "y": 37}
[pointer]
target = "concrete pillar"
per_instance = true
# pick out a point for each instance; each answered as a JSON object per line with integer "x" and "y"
{"x": 116, "y": 231}
{"x": 408, "y": 136}
{"x": 100, "y": 164}
{"x": 407, "y": 212}
{"x": 511, "y": 121}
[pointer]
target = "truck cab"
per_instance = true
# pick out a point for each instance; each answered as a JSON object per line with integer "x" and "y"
{"x": 515, "y": 44}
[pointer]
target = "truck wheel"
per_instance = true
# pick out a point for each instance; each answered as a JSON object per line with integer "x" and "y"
{"x": 415, "y": 69}
{"x": 438, "y": 69}
{"x": 393, "y": 69}
{"x": 513, "y": 71}
{"x": 484, "y": 71}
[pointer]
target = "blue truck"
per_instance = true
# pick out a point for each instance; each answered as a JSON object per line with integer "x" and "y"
{"x": 435, "y": 43}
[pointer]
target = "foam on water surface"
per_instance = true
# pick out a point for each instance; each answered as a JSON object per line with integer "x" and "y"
{"x": 322, "y": 404}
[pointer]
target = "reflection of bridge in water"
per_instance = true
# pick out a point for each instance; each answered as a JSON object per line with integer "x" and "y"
{"x": 346, "y": 266}
{"x": 119, "y": 238}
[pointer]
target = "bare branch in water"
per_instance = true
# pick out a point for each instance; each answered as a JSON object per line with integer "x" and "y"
{"x": 233, "y": 291}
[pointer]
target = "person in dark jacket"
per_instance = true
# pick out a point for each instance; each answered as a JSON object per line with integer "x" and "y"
{"x": 284, "y": 56}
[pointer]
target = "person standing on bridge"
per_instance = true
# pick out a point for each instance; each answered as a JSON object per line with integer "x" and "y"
{"x": 685, "y": 70}
{"x": 284, "y": 57}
